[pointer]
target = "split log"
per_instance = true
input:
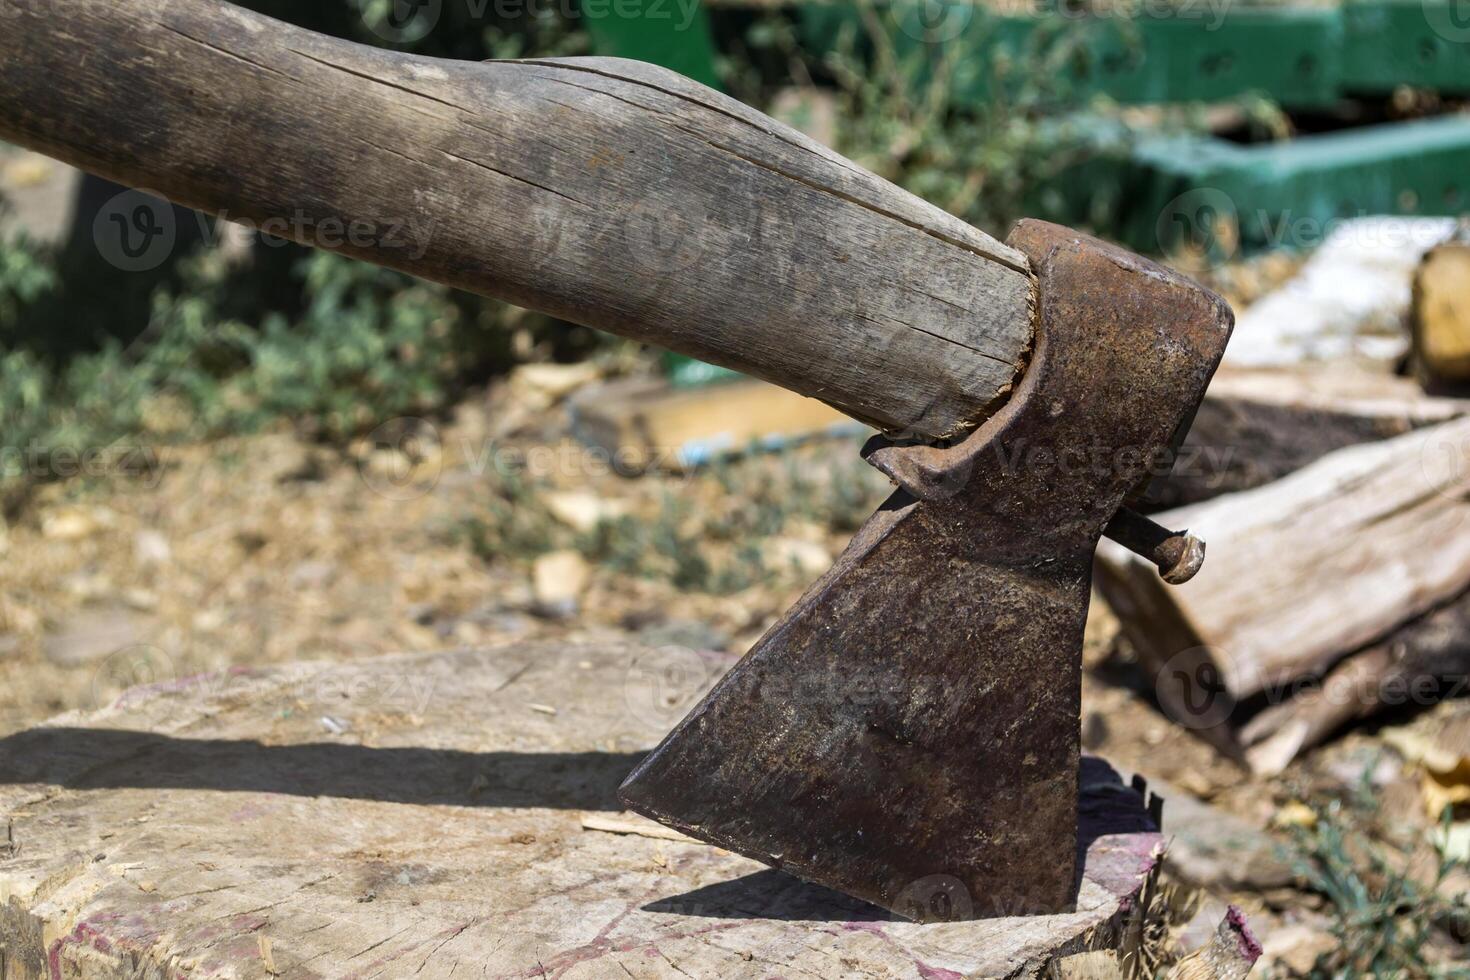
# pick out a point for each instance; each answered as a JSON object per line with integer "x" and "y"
{"x": 1422, "y": 663}
{"x": 1256, "y": 426}
{"x": 427, "y": 816}
{"x": 1439, "y": 319}
{"x": 610, "y": 193}
{"x": 1334, "y": 559}
{"x": 1229, "y": 956}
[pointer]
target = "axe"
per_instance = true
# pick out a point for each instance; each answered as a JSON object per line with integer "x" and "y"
{"x": 908, "y": 732}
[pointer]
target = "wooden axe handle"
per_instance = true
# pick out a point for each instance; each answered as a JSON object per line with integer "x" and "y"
{"x": 610, "y": 193}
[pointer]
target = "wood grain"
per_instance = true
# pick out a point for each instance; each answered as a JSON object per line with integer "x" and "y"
{"x": 1258, "y": 425}
{"x": 611, "y": 193}
{"x": 217, "y": 827}
{"x": 1305, "y": 570}
{"x": 1419, "y": 664}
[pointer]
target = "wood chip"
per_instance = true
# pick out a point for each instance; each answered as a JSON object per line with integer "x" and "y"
{"x": 265, "y": 955}
{"x": 627, "y": 823}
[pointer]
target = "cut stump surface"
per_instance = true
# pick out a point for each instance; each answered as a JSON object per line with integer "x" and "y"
{"x": 445, "y": 815}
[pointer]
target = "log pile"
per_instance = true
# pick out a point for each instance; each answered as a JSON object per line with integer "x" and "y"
{"x": 1327, "y": 595}
{"x": 1258, "y": 425}
{"x": 1334, "y": 498}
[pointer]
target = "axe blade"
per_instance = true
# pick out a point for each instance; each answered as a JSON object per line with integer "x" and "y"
{"x": 908, "y": 732}
{"x": 890, "y": 738}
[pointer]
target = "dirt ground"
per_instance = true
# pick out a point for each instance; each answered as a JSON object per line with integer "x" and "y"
{"x": 493, "y": 525}
{"x": 484, "y": 528}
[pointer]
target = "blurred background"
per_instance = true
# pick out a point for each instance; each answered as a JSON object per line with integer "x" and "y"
{"x": 222, "y": 449}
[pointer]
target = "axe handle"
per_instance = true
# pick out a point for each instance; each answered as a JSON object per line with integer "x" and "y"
{"x": 610, "y": 193}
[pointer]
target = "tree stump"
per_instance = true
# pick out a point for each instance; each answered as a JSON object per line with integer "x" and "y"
{"x": 444, "y": 815}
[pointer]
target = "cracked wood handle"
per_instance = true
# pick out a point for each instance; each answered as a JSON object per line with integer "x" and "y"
{"x": 610, "y": 193}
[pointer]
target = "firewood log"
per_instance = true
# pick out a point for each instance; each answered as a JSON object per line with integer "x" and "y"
{"x": 1421, "y": 663}
{"x": 215, "y": 826}
{"x": 1258, "y": 425}
{"x": 1333, "y": 560}
{"x": 1229, "y": 956}
{"x": 1439, "y": 318}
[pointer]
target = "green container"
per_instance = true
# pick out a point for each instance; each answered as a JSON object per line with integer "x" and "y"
{"x": 1197, "y": 54}
{"x": 1201, "y": 192}
{"x": 672, "y": 33}
{"x": 1421, "y": 43}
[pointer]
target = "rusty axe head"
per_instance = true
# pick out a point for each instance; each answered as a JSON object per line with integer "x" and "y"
{"x": 908, "y": 732}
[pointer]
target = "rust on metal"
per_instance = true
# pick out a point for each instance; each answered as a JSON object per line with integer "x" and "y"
{"x": 1179, "y": 555}
{"x": 908, "y": 732}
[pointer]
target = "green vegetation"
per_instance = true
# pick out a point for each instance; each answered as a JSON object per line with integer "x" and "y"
{"x": 232, "y": 343}
{"x": 218, "y": 343}
{"x": 898, "y": 113}
{"x": 706, "y": 533}
{"x": 369, "y": 344}
{"x": 1386, "y": 918}
{"x": 344, "y": 346}
{"x": 25, "y": 276}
